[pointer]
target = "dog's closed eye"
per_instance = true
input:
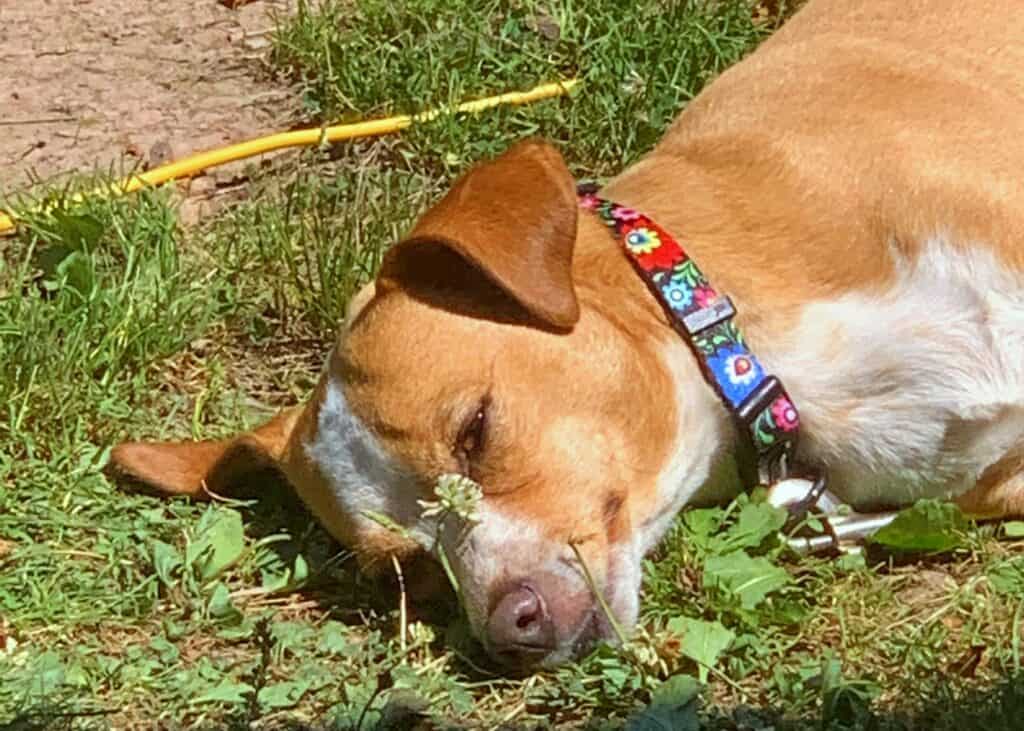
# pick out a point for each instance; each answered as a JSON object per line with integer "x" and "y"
{"x": 472, "y": 437}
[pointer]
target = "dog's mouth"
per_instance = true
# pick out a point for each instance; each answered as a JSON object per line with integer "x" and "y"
{"x": 596, "y": 628}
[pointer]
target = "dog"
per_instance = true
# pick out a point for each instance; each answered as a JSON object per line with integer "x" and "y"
{"x": 854, "y": 185}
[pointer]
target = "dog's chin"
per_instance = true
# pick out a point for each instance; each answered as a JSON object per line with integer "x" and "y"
{"x": 595, "y": 629}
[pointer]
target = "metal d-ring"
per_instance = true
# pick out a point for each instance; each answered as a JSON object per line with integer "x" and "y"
{"x": 845, "y": 530}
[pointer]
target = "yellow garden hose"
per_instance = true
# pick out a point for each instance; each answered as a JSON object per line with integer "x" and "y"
{"x": 201, "y": 161}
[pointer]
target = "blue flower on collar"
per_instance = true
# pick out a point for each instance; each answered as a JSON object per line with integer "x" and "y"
{"x": 736, "y": 371}
{"x": 678, "y": 294}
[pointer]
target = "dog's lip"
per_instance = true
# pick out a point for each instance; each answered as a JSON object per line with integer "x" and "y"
{"x": 589, "y": 633}
{"x": 522, "y": 648}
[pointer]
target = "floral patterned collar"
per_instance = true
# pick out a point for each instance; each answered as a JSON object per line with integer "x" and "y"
{"x": 703, "y": 318}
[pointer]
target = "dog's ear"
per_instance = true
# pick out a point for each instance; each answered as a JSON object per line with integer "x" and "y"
{"x": 513, "y": 218}
{"x": 197, "y": 469}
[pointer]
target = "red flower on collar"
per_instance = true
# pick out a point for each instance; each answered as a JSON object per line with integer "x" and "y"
{"x": 663, "y": 255}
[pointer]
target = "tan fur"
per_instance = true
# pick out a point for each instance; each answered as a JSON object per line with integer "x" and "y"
{"x": 999, "y": 493}
{"x": 196, "y": 469}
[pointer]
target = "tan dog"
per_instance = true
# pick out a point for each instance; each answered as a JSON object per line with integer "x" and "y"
{"x": 854, "y": 185}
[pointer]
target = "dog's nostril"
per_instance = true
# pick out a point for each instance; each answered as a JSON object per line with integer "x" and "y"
{"x": 520, "y": 621}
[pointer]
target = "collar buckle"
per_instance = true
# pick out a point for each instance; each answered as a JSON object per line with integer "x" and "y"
{"x": 774, "y": 459}
{"x": 706, "y": 317}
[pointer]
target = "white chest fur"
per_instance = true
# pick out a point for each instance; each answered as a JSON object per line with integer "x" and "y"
{"x": 914, "y": 391}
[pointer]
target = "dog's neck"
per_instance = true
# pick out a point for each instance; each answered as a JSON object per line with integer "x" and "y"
{"x": 704, "y": 465}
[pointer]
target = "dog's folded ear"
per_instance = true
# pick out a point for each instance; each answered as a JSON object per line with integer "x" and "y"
{"x": 197, "y": 469}
{"x": 513, "y": 218}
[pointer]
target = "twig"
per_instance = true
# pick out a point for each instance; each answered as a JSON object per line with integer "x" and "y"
{"x": 403, "y": 619}
{"x": 1015, "y": 635}
{"x": 39, "y": 120}
{"x": 519, "y": 708}
{"x": 599, "y": 595}
{"x": 727, "y": 680}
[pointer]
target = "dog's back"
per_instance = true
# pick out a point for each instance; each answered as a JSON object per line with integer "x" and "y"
{"x": 881, "y": 118}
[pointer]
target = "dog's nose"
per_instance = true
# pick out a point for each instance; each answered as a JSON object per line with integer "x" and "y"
{"x": 520, "y": 627}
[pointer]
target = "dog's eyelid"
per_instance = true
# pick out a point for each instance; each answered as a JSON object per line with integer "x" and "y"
{"x": 471, "y": 439}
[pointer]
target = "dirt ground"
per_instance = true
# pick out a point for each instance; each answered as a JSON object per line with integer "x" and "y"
{"x": 90, "y": 84}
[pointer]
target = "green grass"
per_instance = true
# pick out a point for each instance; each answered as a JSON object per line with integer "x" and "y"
{"x": 125, "y": 611}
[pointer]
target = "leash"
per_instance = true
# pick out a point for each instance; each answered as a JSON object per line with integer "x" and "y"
{"x": 756, "y": 399}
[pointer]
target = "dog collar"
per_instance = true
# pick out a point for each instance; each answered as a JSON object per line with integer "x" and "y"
{"x": 704, "y": 318}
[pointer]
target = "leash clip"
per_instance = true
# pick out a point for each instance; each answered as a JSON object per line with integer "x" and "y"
{"x": 844, "y": 529}
{"x": 773, "y": 467}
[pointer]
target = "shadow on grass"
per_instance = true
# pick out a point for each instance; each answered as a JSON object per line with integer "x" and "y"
{"x": 999, "y": 708}
{"x": 940, "y": 707}
{"x": 335, "y": 581}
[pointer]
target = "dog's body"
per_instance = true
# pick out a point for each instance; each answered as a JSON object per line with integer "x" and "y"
{"x": 854, "y": 186}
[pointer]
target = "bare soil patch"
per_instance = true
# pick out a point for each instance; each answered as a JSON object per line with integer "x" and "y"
{"x": 101, "y": 84}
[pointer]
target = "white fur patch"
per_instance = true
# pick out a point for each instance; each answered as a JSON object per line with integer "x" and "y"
{"x": 915, "y": 392}
{"x": 362, "y": 475}
{"x": 701, "y": 469}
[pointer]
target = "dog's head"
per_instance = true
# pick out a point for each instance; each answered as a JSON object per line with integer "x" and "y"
{"x": 483, "y": 349}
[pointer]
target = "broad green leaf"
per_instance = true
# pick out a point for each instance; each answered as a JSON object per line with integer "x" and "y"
{"x": 615, "y": 676}
{"x": 227, "y": 691}
{"x": 703, "y": 642}
{"x": 273, "y": 581}
{"x": 76, "y": 675}
{"x": 219, "y": 543}
{"x": 76, "y": 270}
{"x": 672, "y": 708}
{"x": 362, "y": 701}
{"x": 678, "y": 690}
{"x": 749, "y": 579}
{"x": 240, "y": 628}
{"x": 81, "y": 231}
{"x": 1014, "y": 529}
{"x": 167, "y": 651}
{"x": 220, "y": 606}
{"x": 929, "y": 526}
{"x": 47, "y": 674}
{"x": 49, "y": 258}
{"x": 702, "y": 524}
{"x": 1007, "y": 577}
{"x": 166, "y": 560}
{"x": 173, "y": 630}
{"x": 461, "y": 699}
{"x": 755, "y": 523}
{"x": 334, "y": 638}
{"x": 301, "y": 570}
{"x": 292, "y": 634}
{"x": 283, "y": 695}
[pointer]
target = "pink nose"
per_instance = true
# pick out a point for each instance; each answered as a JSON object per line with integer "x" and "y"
{"x": 520, "y": 628}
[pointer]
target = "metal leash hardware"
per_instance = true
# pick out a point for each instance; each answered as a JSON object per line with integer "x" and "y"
{"x": 845, "y": 530}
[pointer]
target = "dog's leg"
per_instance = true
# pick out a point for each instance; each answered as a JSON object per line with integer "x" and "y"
{"x": 999, "y": 493}
{"x": 196, "y": 469}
